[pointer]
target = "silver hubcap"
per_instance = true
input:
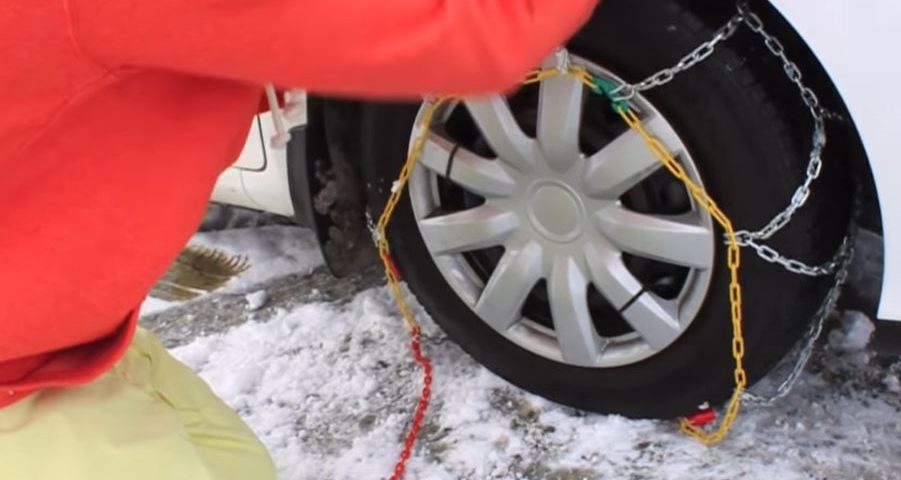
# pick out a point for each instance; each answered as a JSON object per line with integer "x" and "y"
{"x": 559, "y": 216}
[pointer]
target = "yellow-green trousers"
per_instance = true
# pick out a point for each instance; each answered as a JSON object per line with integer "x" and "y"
{"x": 149, "y": 418}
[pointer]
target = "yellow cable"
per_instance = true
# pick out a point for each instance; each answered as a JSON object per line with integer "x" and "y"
{"x": 396, "y": 190}
{"x": 734, "y": 262}
{"x": 660, "y": 151}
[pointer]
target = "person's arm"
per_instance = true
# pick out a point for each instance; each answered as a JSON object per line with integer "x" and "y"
{"x": 382, "y": 48}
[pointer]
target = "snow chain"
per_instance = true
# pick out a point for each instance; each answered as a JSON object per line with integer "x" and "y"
{"x": 619, "y": 96}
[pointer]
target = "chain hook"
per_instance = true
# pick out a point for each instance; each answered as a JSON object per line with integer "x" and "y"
{"x": 624, "y": 92}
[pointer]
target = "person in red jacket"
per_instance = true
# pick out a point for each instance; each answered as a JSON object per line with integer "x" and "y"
{"x": 118, "y": 117}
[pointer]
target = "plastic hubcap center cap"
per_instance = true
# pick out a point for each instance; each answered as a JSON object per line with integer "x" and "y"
{"x": 556, "y": 211}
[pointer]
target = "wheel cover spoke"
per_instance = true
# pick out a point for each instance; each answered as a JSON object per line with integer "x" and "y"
{"x": 500, "y": 304}
{"x": 654, "y": 320}
{"x": 559, "y": 118}
{"x": 496, "y": 122}
{"x": 477, "y": 174}
{"x": 467, "y": 230}
{"x": 623, "y": 163}
{"x": 673, "y": 240}
{"x": 568, "y": 292}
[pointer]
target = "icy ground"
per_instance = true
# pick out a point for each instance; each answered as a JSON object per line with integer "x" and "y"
{"x": 320, "y": 369}
{"x": 272, "y": 251}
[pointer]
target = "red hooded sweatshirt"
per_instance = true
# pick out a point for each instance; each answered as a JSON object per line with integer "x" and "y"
{"x": 118, "y": 116}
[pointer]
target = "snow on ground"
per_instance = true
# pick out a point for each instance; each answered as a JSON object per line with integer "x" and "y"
{"x": 272, "y": 250}
{"x": 854, "y": 334}
{"x": 329, "y": 388}
{"x": 154, "y": 305}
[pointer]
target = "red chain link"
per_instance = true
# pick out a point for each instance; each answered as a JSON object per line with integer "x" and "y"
{"x": 421, "y": 407}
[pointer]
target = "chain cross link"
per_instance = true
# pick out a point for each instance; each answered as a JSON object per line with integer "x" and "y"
{"x": 771, "y": 255}
{"x": 814, "y": 165}
{"x": 844, "y": 257}
{"x": 746, "y": 238}
{"x": 626, "y": 91}
{"x": 841, "y": 260}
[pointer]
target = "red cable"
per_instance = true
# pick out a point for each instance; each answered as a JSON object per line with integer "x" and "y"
{"x": 421, "y": 407}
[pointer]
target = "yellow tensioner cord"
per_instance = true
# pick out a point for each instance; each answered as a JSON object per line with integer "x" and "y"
{"x": 602, "y": 87}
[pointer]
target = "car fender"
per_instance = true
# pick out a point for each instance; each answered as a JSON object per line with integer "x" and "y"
{"x": 849, "y": 39}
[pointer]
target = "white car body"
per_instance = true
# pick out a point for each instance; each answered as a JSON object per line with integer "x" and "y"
{"x": 259, "y": 178}
{"x": 846, "y": 37}
{"x": 841, "y": 33}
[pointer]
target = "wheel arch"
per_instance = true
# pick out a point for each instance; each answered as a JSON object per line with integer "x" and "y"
{"x": 845, "y": 142}
{"x": 327, "y": 189}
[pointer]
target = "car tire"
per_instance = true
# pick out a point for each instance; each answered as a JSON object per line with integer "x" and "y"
{"x": 749, "y": 162}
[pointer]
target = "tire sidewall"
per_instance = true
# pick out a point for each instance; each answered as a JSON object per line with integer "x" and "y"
{"x": 747, "y": 167}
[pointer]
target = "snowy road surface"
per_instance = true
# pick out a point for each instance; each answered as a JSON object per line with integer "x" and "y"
{"x": 320, "y": 369}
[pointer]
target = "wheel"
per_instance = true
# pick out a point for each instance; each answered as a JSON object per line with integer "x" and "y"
{"x": 545, "y": 239}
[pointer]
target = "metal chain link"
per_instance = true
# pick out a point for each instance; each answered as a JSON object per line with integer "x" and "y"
{"x": 754, "y": 239}
{"x": 807, "y": 343}
{"x": 814, "y": 165}
{"x": 771, "y": 255}
{"x": 840, "y": 262}
{"x": 626, "y": 91}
